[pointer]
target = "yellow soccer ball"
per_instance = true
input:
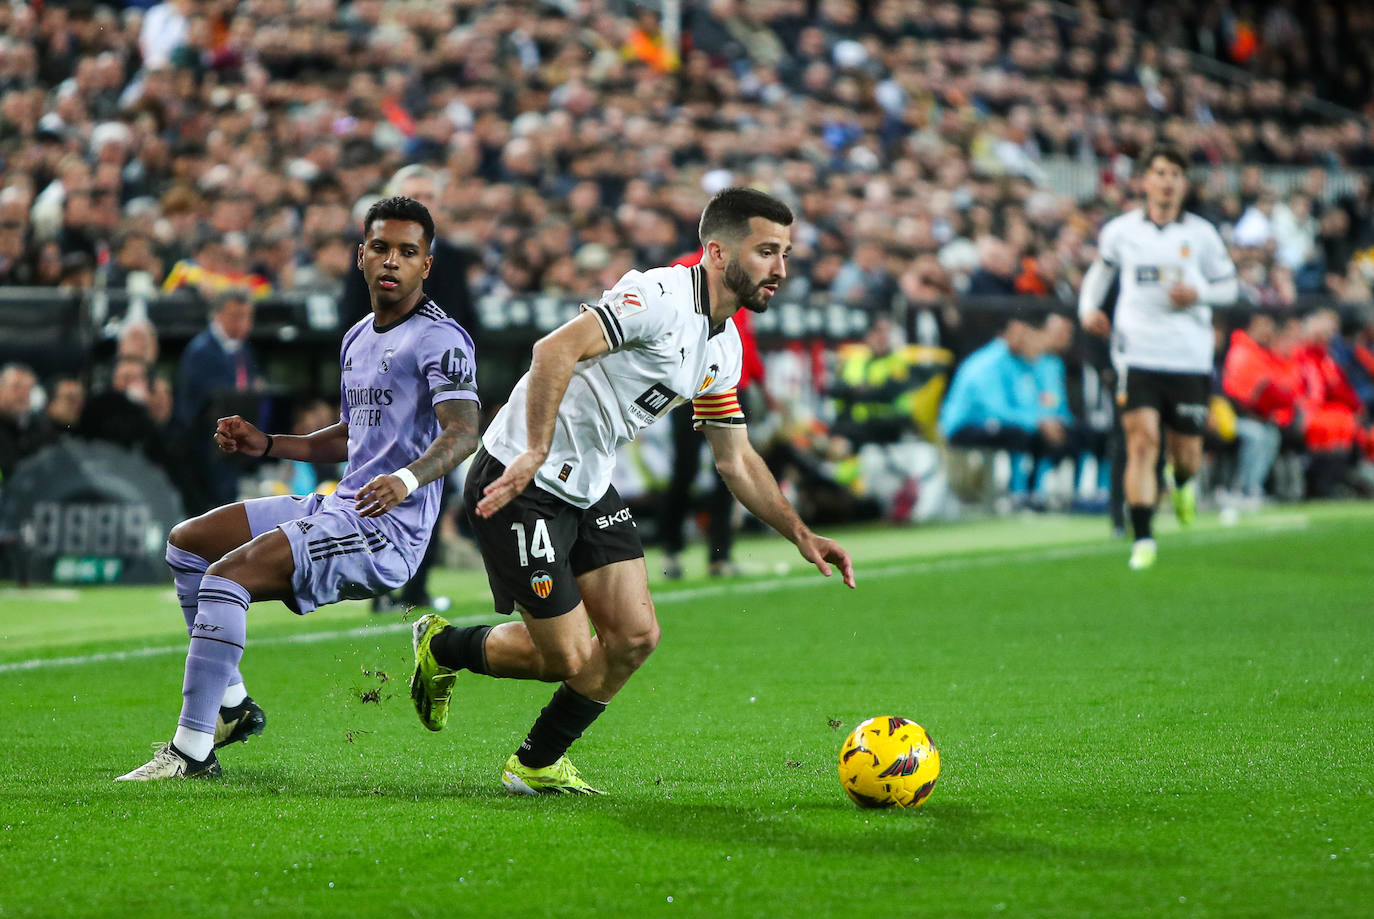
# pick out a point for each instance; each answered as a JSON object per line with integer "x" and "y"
{"x": 889, "y": 762}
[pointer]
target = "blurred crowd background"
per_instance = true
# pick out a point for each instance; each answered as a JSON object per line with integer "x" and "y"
{"x": 169, "y": 172}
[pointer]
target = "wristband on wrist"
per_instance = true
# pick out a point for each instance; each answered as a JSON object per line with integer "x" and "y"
{"x": 407, "y": 479}
{"x": 268, "y": 449}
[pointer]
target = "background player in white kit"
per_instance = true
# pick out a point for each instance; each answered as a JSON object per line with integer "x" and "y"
{"x": 409, "y": 414}
{"x": 559, "y": 543}
{"x": 1173, "y": 267}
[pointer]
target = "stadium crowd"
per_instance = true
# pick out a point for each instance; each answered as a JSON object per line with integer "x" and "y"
{"x": 219, "y": 145}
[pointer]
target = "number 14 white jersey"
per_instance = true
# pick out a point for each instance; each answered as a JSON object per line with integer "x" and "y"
{"x": 663, "y": 350}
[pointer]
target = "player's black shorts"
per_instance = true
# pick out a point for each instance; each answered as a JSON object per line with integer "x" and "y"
{"x": 537, "y": 545}
{"x": 1180, "y": 398}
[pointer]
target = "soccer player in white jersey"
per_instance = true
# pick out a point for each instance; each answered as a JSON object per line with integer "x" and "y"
{"x": 559, "y": 543}
{"x": 1173, "y": 267}
{"x": 409, "y": 414}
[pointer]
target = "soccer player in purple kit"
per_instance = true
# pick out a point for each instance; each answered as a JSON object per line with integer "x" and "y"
{"x": 409, "y": 415}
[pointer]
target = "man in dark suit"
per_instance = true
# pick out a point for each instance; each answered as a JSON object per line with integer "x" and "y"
{"x": 218, "y": 360}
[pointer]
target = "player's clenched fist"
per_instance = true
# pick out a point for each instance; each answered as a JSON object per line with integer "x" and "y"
{"x": 1097, "y": 323}
{"x": 235, "y": 435}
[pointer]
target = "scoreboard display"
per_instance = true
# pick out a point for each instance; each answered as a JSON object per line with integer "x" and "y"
{"x": 82, "y": 512}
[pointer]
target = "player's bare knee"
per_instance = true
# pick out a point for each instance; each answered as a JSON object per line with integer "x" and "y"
{"x": 631, "y": 649}
{"x": 643, "y": 643}
{"x": 227, "y": 567}
{"x": 183, "y": 537}
{"x": 1144, "y": 446}
{"x": 562, "y": 664}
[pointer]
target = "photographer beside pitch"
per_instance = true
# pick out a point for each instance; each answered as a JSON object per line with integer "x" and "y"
{"x": 559, "y": 543}
{"x": 409, "y": 415}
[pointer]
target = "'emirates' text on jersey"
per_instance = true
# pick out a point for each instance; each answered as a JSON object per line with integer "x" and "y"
{"x": 663, "y": 351}
{"x": 390, "y": 380}
{"x": 1147, "y": 332}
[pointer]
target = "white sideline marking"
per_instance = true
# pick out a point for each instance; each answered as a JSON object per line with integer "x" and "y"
{"x": 1277, "y": 524}
{"x": 302, "y": 638}
{"x": 50, "y": 594}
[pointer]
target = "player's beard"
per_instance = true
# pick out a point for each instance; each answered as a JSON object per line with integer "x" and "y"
{"x": 749, "y": 293}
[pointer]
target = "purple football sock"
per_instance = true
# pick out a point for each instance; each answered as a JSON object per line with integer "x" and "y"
{"x": 217, "y": 639}
{"x": 187, "y": 570}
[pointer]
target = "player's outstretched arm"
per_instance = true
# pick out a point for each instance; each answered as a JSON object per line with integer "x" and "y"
{"x": 551, "y": 367}
{"x": 458, "y": 421}
{"x": 234, "y": 434}
{"x": 751, "y": 481}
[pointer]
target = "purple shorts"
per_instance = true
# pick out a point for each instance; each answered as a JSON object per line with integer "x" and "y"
{"x": 339, "y": 555}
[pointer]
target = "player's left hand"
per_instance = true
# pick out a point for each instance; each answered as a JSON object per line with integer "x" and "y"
{"x": 379, "y": 496}
{"x": 1182, "y": 296}
{"x": 822, "y": 552}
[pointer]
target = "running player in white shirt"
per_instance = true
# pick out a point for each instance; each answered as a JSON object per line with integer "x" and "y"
{"x": 1173, "y": 267}
{"x": 559, "y": 543}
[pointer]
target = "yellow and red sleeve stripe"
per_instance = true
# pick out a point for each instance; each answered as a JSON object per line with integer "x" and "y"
{"x": 721, "y": 409}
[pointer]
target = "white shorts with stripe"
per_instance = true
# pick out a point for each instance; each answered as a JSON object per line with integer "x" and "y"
{"x": 338, "y": 554}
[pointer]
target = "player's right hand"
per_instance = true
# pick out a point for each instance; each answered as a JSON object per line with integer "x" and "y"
{"x": 821, "y": 552}
{"x": 514, "y": 480}
{"x": 235, "y": 435}
{"x": 1098, "y": 324}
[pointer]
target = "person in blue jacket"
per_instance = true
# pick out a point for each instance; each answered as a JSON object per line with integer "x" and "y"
{"x": 996, "y": 400}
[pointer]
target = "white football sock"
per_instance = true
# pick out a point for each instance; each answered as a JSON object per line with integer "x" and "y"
{"x": 233, "y": 695}
{"x": 195, "y": 744}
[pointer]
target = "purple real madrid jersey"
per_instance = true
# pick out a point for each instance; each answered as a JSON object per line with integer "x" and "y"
{"x": 391, "y": 378}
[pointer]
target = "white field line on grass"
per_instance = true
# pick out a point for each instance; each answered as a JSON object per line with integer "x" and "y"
{"x": 1269, "y": 525}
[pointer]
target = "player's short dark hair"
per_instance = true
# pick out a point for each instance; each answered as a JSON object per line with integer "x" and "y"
{"x": 726, "y": 217}
{"x": 400, "y": 208}
{"x": 1171, "y": 152}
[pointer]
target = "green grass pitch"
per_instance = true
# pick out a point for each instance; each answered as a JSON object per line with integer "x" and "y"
{"x": 1196, "y": 741}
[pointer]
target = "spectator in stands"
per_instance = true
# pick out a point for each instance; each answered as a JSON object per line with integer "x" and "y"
{"x": 869, "y": 387}
{"x": 180, "y": 209}
{"x": 1264, "y": 391}
{"x": 329, "y": 267}
{"x": 1331, "y": 412}
{"x": 15, "y": 267}
{"x": 994, "y": 402}
{"x": 218, "y": 360}
{"x": 864, "y": 280}
{"x": 135, "y": 265}
{"x": 1053, "y": 395}
{"x": 1295, "y": 242}
{"x": 16, "y": 391}
{"x": 217, "y": 263}
{"x": 118, "y": 414}
{"x": 1356, "y": 359}
{"x": 47, "y": 271}
{"x": 77, "y": 272}
{"x": 995, "y": 275}
{"x": 61, "y": 415}
{"x": 137, "y": 340}
{"x": 166, "y": 28}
